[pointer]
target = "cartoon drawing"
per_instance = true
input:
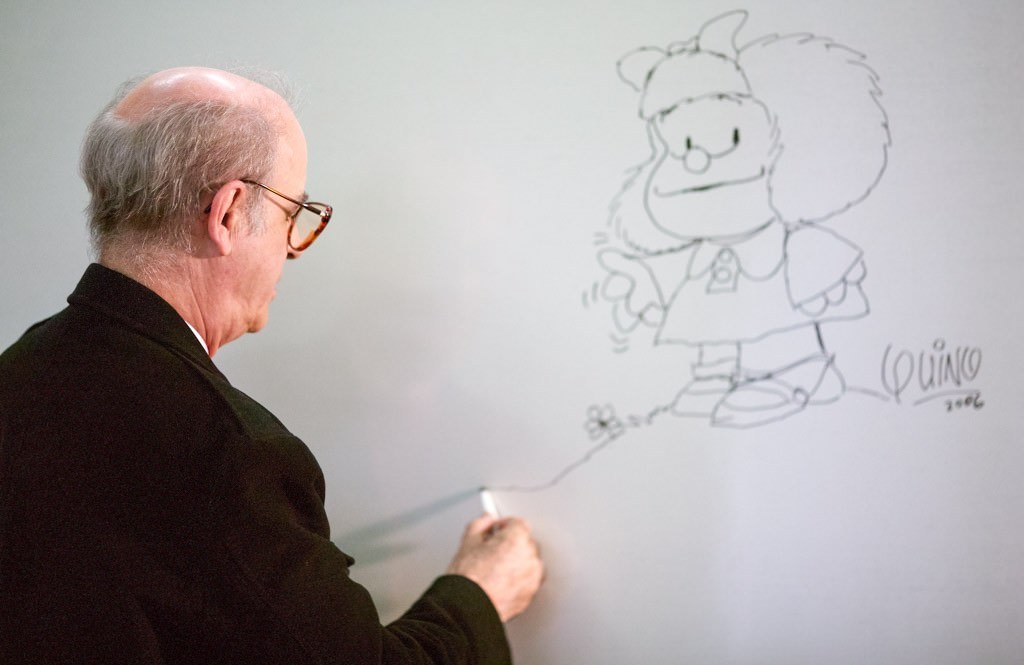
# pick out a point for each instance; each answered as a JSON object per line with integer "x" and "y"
{"x": 716, "y": 242}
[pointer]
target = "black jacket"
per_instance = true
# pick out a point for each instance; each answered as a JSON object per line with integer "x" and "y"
{"x": 152, "y": 513}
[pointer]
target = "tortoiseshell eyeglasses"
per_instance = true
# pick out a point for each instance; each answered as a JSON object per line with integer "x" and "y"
{"x": 307, "y": 222}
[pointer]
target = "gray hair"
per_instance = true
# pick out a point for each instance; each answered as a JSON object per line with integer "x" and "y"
{"x": 148, "y": 177}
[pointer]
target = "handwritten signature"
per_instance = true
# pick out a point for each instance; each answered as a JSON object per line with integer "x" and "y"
{"x": 942, "y": 372}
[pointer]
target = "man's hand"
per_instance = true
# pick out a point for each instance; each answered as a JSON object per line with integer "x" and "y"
{"x": 501, "y": 556}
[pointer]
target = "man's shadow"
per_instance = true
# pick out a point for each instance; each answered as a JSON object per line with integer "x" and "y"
{"x": 379, "y": 541}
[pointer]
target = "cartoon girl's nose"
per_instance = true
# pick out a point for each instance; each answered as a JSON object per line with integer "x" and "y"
{"x": 697, "y": 160}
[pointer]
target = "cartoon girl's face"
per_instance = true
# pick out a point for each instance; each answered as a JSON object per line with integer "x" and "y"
{"x": 710, "y": 179}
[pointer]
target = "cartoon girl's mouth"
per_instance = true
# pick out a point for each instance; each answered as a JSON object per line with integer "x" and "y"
{"x": 713, "y": 185}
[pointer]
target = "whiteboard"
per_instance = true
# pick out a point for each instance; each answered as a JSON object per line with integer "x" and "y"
{"x": 456, "y": 325}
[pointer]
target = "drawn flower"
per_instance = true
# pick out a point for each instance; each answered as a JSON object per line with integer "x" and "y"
{"x": 602, "y": 422}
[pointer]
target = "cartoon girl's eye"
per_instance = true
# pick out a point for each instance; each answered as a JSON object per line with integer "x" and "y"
{"x": 689, "y": 143}
{"x": 736, "y": 136}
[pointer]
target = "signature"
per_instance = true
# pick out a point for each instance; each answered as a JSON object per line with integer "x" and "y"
{"x": 942, "y": 372}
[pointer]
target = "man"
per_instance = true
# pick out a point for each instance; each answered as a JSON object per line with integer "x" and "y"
{"x": 149, "y": 511}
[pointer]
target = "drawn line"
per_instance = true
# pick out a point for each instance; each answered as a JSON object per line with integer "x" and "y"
{"x": 564, "y": 472}
{"x": 950, "y": 393}
{"x": 870, "y": 393}
{"x": 601, "y": 419}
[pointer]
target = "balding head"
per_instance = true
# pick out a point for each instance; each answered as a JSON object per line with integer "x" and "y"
{"x": 194, "y": 84}
{"x": 153, "y": 157}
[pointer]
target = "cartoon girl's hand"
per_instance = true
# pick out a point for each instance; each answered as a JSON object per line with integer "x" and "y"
{"x": 632, "y": 289}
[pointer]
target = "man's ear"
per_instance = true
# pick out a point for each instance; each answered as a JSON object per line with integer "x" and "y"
{"x": 224, "y": 218}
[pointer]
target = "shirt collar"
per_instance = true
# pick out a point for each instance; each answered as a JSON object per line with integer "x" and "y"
{"x": 760, "y": 254}
{"x": 198, "y": 336}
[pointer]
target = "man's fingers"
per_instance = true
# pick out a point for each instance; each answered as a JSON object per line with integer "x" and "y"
{"x": 482, "y": 526}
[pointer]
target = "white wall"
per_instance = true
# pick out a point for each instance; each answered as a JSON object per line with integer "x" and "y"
{"x": 436, "y": 338}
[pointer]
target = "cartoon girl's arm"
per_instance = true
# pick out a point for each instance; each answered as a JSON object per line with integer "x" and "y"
{"x": 823, "y": 271}
{"x": 633, "y": 290}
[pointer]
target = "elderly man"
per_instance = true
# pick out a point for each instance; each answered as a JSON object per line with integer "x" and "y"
{"x": 149, "y": 511}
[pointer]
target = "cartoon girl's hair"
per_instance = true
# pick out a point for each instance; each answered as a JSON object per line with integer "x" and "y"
{"x": 833, "y": 132}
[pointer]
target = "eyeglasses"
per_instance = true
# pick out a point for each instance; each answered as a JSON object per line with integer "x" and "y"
{"x": 307, "y": 222}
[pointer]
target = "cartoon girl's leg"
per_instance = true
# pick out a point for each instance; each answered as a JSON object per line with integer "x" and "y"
{"x": 714, "y": 375}
{"x": 780, "y": 376}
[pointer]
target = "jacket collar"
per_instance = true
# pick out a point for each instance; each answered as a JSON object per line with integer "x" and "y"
{"x": 122, "y": 298}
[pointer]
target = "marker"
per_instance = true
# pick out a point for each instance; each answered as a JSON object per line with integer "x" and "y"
{"x": 487, "y": 501}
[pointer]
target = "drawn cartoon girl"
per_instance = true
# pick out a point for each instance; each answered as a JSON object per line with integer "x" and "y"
{"x": 715, "y": 241}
